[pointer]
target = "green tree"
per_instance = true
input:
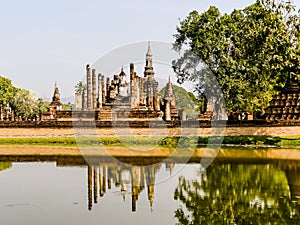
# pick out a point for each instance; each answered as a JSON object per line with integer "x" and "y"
{"x": 236, "y": 194}
{"x": 25, "y": 103}
{"x": 5, "y": 165}
{"x": 80, "y": 87}
{"x": 7, "y": 91}
{"x": 41, "y": 107}
{"x": 69, "y": 106}
{"x": 253, "y": 52}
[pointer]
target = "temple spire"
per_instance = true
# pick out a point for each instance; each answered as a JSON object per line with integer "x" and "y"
{"x": 56, "y": 94}
{"x": 149, "y": 66}
{"x": 149, "y": 52}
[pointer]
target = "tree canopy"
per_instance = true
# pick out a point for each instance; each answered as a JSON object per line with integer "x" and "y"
{"x": 80, "y": 87}
{"x": 7, "y": 91}
{"x": 254, "y": 53}
{"x": 23, "y": 102}
{"x": 236, "y": 194}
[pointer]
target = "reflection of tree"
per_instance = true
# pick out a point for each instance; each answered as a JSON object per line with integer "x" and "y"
{"x": 5, "y": 165}
{"x": 236, "y": 194}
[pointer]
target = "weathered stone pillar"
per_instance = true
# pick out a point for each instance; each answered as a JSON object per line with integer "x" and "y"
{"x": 137, "y": 90}
{"x": 134, "y": 83}
{"x": 107, "y": 88}
{"x": 78, "y": 101}
{"x": 88, "y": 83}
{"x": 156, "y": 103}
{"x": 167, "y": 111}
{"x": 94, "y": 85}
{"x": 131, "y": 70}
{"x": 83, "y": 98}
{"x": 142, "y": 94}
{"x": 103, "y": 89}
{"x": 99, "y": 91}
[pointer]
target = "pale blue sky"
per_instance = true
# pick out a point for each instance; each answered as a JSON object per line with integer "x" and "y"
{"x": 47, "y": 41}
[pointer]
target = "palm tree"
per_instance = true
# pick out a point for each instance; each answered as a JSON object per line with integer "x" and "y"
{"x": 79, "y": 88}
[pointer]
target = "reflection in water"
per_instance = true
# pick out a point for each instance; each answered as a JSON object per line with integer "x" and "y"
{"x": 5, "y": 165}
{"x": 228, "y": 192}
{"x": 240, "y": 194}
{"x": 137, "y": 177}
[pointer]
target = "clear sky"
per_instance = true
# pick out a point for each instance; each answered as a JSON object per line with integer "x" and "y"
{"x": 47, "y": 41}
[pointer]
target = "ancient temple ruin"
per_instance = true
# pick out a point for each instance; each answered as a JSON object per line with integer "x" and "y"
{"x": 54, "y": 107}
{"x": 285, "y": 106}
{"x": 169, "y": 103}
{"x": 119, "y": 99}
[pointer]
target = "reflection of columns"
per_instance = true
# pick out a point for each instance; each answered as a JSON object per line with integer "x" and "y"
{"x": 99, "y": 91}
{"x": 150, "y": 189}
{"x": 90, "y": 187}
{"x": 293, "y": 177}
{"x": 150, "y": 179}
{"x": 102, "y": 180}
{"x": 142, "y": 178}
{"x": 134, "y": 187}
{"x": 94, "y": 82}
{"x": 109, "y": 177}
{"x": 89, "y": 92}
{"x": 134, "y": 198}
{"x": 118, "y": 178}
{"x": 170, "y": 167}
{"x": 95, "y": 184}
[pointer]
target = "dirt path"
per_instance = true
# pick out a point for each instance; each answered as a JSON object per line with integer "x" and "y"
{"x": 123, "y": 151}
{"x": 135, "y": 132}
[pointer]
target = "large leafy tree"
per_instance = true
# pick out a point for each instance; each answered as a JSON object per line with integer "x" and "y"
{"x": 236, "y": 194}
{"x": 253, "y": 53}
{"x": 7, "y": 91}
{"x": 25, "y": 103}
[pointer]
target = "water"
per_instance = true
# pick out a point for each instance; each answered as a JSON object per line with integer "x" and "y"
{"x": 68, "y": 190}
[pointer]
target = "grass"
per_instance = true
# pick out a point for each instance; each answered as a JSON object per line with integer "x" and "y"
{"x": 284, "y": 141}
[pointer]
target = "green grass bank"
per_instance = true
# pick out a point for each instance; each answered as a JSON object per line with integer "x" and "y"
{"x": 254, "y": 141}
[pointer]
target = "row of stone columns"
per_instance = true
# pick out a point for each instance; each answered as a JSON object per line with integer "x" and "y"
{"x": 101, "y": 176}
{"x": 95, "y": 98}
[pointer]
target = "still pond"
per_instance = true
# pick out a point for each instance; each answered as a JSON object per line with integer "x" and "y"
{"x": 71, "y": 190}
